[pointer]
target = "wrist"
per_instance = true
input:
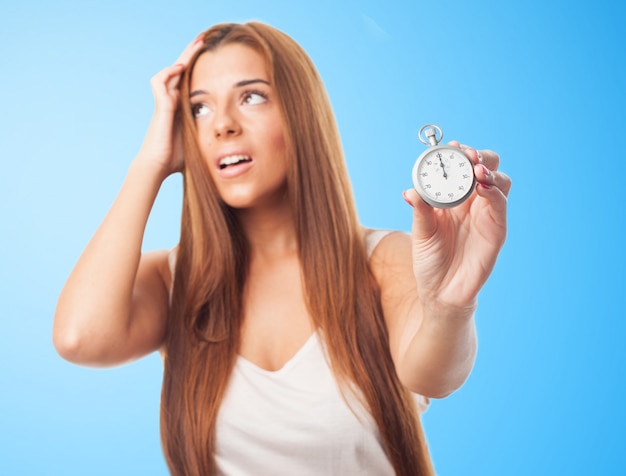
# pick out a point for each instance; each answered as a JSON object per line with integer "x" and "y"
{"x": 150, "y": 168}
{"x": 440, "y": 310}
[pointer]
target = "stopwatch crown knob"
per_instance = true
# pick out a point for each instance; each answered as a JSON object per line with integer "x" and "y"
{"x": 432, "y": 135}
{"x": 430, "y": 130}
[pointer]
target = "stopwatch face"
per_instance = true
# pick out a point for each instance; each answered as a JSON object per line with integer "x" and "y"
{"x": 443, "y": 176}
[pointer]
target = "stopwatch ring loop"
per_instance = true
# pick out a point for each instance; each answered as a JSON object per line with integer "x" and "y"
{"x": 437, "y": 129}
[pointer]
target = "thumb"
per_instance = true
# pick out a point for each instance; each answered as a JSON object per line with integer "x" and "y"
{"x": 424, "y": 220}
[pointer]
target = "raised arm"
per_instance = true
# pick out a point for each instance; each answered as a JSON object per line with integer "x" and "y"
{"x": 430, "y": 281}
{"x": 114, "y": 305}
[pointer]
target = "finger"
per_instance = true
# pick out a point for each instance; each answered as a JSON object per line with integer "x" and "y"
{"x": 172, "y": 81}
{"x": 190, "y": 50}
{"x": 486, "y": 157}
{"x": 424, "y": 220}
{"x": 166, "y": 79}
{"x": 488, "y": 179}
{"x": 496, "y": 196}
{"x": 489, "y": 158}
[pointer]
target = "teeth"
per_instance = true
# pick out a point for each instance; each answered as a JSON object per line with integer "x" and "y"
{"x": 233, "y": 159}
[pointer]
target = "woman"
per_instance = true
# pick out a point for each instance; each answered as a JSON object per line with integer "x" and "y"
{"x": 293, "y": 340}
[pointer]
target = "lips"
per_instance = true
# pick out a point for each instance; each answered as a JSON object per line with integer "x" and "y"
{"x": 232, "y": 164}
{"x": 231, "y": 160}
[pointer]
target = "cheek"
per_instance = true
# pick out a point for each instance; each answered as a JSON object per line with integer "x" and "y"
{"x": 203, "y": 149}
{"x": 205, "y": 159}
{"x": 277, "y": 139}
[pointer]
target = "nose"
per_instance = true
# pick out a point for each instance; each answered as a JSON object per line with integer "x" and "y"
{"x": 225, "y": 124}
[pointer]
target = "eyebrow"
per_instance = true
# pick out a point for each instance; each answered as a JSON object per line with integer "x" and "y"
{"x": 239, "y": 84}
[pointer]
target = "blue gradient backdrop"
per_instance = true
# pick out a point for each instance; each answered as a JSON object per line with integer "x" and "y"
{"x": 540, "y": 82}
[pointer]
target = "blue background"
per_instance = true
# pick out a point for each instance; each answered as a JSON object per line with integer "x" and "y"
{"x": 542, "y": 83}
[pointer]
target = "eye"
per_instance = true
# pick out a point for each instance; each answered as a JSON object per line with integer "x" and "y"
{"x": 199, "y": 110}
{"x": 253, "y": 98}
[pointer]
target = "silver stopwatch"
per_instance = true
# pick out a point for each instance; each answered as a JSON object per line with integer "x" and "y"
{"x": 443, "y": 175}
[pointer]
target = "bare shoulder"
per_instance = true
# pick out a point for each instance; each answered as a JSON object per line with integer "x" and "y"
{"x": 392, "y": 265}
{"x": 391, "y": 256}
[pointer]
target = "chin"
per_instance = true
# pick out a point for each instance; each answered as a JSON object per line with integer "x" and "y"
{"x": 250, "y": 197}
{"x": 243, "y": 201}
{"x": 237, "y": 202}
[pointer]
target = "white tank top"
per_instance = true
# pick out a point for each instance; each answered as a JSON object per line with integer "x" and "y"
{"x": 295, "y": 421}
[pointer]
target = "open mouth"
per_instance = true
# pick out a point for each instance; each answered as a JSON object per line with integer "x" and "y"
{"x": 233, "y": 160}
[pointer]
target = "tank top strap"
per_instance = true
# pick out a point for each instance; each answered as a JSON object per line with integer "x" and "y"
{"x": 372, "y": 238}
{"x": 171, "y": 261}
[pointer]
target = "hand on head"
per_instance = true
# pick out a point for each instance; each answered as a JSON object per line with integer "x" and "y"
{"x": 163, "y": 145}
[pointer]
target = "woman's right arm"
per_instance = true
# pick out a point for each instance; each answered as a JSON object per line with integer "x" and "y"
{"x": 114, "y": 305}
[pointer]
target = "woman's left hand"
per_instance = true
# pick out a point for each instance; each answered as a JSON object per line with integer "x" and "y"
{"x": 455, "y": 250}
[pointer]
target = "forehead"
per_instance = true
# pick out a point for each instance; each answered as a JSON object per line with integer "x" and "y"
{"x": 227, "y": 65}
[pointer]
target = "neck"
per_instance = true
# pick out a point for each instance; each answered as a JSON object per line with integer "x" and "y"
{"x": 270, "y": 230}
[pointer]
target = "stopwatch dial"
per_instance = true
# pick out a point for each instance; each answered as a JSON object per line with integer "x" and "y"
{"x": 445, "y": 176}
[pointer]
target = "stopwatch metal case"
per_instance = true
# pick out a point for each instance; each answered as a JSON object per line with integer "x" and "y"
{"x": 431, "y": 133}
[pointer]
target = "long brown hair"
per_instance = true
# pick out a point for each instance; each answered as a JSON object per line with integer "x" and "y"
{"x": 203, "y": 335}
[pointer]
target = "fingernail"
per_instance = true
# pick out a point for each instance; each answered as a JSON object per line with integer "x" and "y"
{"x": 486, "y": 170}
{"x": 406, "y": 199}
{"x": 480, "y": 158}
{"x": 482, "y": 185}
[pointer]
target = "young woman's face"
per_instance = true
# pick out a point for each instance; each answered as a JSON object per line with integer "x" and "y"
{"x": 239, "y": 126}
